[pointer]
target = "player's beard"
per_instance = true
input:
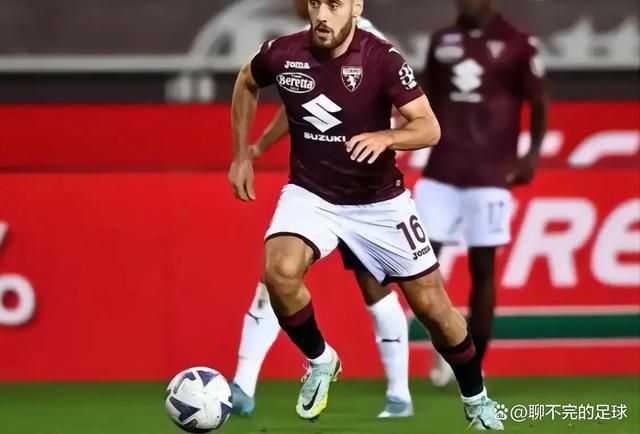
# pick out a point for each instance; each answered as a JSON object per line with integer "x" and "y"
{"x": 335, "y": 41}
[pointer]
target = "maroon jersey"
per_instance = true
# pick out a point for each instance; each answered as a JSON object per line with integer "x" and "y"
{"x": 476, "y": 82}
{"x": 328, "y": 102}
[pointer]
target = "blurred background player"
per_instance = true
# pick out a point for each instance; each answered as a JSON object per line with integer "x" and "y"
{"x": 479, "y": 72}
{"x": 260, "y": 327}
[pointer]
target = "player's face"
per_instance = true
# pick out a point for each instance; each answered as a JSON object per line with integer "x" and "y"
{"x": 331, "y": 22}
{"x": 301, "y": 8}
{"x": 473, "y": 8}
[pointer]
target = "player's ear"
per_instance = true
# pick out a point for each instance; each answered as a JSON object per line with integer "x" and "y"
{"x": 358, "y": 8}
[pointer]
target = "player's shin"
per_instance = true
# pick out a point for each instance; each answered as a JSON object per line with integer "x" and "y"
{"x": 448, "y": 329}
{"x": 451, "y": 339}
{"x": 302, "y": 329}
{"x": 392, "y": 337}
{"x": 259, "y": 331}
{"x": 483, "y": 297}
{"x": 466, "y": 367}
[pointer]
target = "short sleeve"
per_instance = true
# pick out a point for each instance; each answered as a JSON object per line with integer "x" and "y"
{"x": 261, "y": 66}
{"x": 399, "y": 79}
{"x": 532, "y": 70}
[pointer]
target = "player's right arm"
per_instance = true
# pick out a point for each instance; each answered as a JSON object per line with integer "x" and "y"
{"x": 243, "y": 108}
{"x": 422, "y": 129}
{"x": 259, "y": 73}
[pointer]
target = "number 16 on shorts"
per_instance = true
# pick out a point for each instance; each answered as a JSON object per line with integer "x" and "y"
{"x": 415, "y": 235}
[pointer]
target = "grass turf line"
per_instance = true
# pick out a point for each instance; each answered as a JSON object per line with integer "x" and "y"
{"x": 137, "y": 408}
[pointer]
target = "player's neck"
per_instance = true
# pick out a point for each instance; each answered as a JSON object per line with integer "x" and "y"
{"x": 481, "y": 21}
{"x": 486, "y": 19}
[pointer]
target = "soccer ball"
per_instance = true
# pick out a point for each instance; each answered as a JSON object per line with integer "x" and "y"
{"x": 199, "y": 400}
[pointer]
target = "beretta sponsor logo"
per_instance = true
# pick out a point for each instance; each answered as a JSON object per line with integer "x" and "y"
{"x": 296, "y": 82}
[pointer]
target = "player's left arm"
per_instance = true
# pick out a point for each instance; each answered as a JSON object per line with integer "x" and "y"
{"x": 532, "y": 77}
{"x": 422, "y": 129}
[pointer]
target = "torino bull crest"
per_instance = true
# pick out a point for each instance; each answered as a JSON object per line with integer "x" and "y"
{"x": 352, "y": 77}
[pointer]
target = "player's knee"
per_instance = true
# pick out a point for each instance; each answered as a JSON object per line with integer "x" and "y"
{"x": 283, "y": 273}
{"x": 372, "y": 291}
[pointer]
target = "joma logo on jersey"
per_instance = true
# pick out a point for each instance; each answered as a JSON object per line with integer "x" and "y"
{"x": 296, "y": 82}
{"x": 324, "y": 138}
{"x": 296, "y": 65}
{"x": 321, "y": 109}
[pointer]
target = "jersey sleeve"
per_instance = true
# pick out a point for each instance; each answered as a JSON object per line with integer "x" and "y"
{"x": 532, "y": 70}
{"x": 399, "y": 79}
{"x": 261, "y": 65}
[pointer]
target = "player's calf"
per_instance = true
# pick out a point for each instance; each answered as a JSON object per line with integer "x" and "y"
{"x": 287, "y": 259}
{"x": 448, "y": 331}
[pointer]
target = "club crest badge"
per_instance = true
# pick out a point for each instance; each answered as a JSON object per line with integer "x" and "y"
{"x": 352, "y": 77}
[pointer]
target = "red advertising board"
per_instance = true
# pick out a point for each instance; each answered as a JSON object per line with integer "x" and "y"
{"x": 197, "y": 137}
{"x": 136, "y": 276}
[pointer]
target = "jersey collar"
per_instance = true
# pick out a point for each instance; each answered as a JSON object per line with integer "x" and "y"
{"x": 496, "y": 19}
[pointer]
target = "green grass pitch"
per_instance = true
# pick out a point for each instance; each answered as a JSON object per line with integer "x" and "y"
{"x": 137, "y": 408}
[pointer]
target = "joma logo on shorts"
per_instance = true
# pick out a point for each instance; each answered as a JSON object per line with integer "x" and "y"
{"x": 420, "y": 253}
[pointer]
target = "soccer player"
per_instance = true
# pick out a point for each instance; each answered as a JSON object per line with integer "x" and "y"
{"x": 479, "y": 72}
{"x": 260, "y": 327}
{"x": 338, "y": 84}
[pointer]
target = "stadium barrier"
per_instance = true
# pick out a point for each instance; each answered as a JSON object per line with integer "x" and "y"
{"x": 196, "y": 137}
{"x": 109, "y": 276}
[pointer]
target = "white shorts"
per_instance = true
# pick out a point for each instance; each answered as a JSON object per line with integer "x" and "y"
{"x": 481, "y": 215}
{"x": 387, "y": 237}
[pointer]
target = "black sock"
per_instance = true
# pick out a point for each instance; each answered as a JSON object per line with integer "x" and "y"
{"x": 480, "y": 342}
{"x": 303, "y": 331}
{"x": 465, "y": 365}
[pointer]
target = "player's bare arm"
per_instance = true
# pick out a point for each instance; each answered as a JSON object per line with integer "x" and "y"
{"x": 243, "y": 109}
{"x": 421, "y": 131}
{"x": 277, "y": 130}
{"x": 527, "y": 165}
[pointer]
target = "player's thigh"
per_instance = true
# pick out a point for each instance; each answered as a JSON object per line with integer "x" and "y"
{"x": 372, "y": 290}
{"x": 350, "y": 261}
{"x": 440, "y": 207}
{"x": 389, "y": 239}
{"x": 304, "y": 216}
{"x": 487, "y": 216}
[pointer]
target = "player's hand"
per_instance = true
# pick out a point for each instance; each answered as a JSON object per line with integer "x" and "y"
{"x": 524, "y": 171}
{"x": 254, "y": 152}
{"x": 369, "y": 146}
{"x": 241, "y": 179}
